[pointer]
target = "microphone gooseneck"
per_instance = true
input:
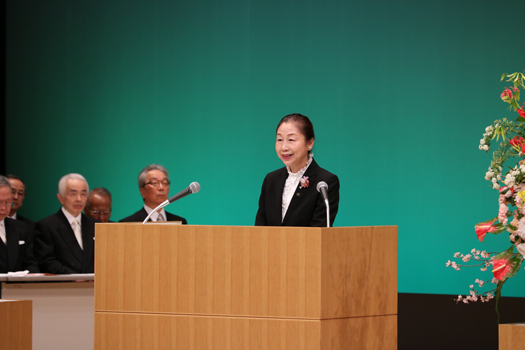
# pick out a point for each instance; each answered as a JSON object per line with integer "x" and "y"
{"x": 322, "y": 188}
{"x": 194, "y": 187}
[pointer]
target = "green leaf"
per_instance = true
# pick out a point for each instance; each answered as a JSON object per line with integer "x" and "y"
{"x": 520, "y": 119}
{"x": 503, "y": 76}
{"x": 499, "y": 229}
{"x": 516, "y": 264}
{"x": 497, "y": 294}
{"x": 505, "y": 254}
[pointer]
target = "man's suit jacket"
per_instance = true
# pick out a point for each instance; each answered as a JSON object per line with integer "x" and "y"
{"x": 17, "y": 254}
{"x": 307, "y": 206}
{"x": 30, "y": 225}
{"x": 57, "y": 248}
{"x": 142, "y": 214}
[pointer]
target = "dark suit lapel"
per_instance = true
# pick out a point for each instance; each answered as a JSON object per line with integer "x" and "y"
{"x": 143, "y": 215}
{"x": 87, "y": 242}
{"x": 300, "y": 193}
{"x": 12, "y": 238}
{"x": 279, "y": 188}
{"x": 69, "y": 236}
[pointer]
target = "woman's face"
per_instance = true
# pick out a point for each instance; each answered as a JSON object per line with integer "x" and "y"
{"x": 291, "y": 146}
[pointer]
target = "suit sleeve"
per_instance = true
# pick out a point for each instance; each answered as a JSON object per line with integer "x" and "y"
{"x": 260, "y": 218}
{"x": 45, "y": 248}
{"x": 319, "y": 217}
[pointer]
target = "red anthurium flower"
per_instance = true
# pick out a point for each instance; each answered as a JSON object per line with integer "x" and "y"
{"x": 488, "y": 227}
{"x": 506, "y": 95}
{"x": 500, "y": 268}
{"x": 483, "y": 227}
{"x": 505, "y": 264}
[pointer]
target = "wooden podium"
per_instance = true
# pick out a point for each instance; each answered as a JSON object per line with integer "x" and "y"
{"x": 16, "y": 324}
{"x": 161, "y": 286}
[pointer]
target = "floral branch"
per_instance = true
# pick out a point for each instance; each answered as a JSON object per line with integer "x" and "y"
{"x": 511, "y": 200}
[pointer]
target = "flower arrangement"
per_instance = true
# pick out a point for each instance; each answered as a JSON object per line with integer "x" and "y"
{"x": 511, "y": 187}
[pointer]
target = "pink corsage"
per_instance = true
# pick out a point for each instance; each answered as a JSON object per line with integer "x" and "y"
{"x": 304, "y": 182}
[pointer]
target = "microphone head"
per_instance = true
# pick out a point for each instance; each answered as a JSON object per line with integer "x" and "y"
{"x": 195, "y": 187}
{"x": 321, "y": 184}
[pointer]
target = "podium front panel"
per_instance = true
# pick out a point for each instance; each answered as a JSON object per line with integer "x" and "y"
{"x": 288, "y": 272}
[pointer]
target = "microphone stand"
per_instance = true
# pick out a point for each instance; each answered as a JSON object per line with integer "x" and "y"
{"x": 327, "y": 212}
{"x": 159, "y": 207}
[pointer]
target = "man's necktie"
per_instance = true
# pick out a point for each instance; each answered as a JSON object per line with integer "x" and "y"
{"x": 78, "y": 234}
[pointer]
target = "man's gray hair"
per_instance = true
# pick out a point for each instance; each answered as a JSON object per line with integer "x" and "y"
{"x": 63, "y": 180}
{"x": 142, "y": 175}
{"x": 4, "y": 181}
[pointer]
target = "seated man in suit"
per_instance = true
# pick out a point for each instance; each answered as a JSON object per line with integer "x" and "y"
{"x": 16, "y": 241}
{"x": 65, "y": 240}
{"x": 154, "y": 185}
{"x": 98, "y": 204}
{"x": 19, "y": 194}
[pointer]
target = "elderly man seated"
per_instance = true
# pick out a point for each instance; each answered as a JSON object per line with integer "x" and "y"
{"x": 154, "y": 186}
{"x": 98, "y": 204}
{"x": 16, "y": 239}
{"x": 65, "y": 240}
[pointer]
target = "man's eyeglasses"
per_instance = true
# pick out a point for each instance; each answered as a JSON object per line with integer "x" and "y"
{"x": 155, "y": 183}
{"x": 98, "y": 212}
{"x": 20, "y": 193}
{"x": 8, "y": 204}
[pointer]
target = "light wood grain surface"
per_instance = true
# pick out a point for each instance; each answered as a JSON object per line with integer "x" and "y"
{"x": 128, "y": 331}
{"x": 16, "y": 325}
{"x": 511, "y": 336}
{"x": 313, "y": 273}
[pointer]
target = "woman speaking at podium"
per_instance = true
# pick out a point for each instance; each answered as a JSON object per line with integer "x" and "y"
{"x": 289, "y": 196}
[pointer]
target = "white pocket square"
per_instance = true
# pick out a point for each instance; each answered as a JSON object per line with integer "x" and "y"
{"x": 21, "y": 242}
{"x": 93, "y": 238}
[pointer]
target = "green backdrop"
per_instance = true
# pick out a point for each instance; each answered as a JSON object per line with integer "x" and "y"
{"x": 399, "y": 93}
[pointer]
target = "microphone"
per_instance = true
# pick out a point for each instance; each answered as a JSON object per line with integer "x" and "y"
{"x": 322, "y": 188}
{"x": 194, "y": 187}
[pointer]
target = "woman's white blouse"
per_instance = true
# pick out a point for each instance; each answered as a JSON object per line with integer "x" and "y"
{"x": 291, "y": 184}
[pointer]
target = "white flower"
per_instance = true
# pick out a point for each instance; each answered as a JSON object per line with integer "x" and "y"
{"x": 496, "y": 186}
{"x": 498, "y": 177}
{"x": 515, "y": 173}
{"x": 482, "y": 141}
{"x": 521, "y": 248}
{"x": 485, "y": 147}
{"x": 494, "y": 180}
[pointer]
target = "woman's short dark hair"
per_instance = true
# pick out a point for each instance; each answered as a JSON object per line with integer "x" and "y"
{"x": 302, "y": 123}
